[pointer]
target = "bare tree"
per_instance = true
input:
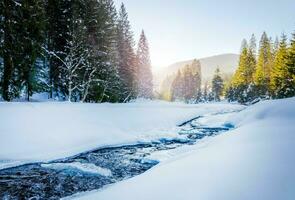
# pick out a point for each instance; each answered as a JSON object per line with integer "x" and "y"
{"x": 78, "y": 71}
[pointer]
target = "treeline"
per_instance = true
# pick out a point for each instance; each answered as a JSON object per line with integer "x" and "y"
{"x": 270, "y": 74}
{"x": 186, "y": 85}
{"x": 76, "y": 50}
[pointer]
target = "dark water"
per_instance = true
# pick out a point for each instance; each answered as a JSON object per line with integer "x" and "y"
{"x": 64, "y": 177}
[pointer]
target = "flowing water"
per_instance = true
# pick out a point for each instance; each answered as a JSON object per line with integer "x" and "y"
{"x": 93, "y": 169}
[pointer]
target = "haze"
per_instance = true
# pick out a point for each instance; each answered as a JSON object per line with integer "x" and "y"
{"x": 181, "y": 30}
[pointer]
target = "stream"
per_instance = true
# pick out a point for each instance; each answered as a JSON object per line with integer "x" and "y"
{"x": 96, "y": 168}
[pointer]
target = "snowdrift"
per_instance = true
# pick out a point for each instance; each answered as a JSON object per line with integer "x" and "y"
{"x": 254, "y": 161}
{"x": 50, "y": 130}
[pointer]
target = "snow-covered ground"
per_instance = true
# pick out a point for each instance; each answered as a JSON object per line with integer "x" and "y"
{"x": 254, "y": 161}
{"x": 43, "y": 131}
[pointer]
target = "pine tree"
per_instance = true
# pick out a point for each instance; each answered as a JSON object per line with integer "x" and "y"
{"x": 89, "y": 36}
{"x": 145, "y": 77}
{"x": 126, "y": 57}
{"x": 177, "y": 87}
{"x": 276, "y": 45}
{"x": 230, "y": 93}
{"x": 84, "y": 49}
{"x": 279, "y": 72}
{"x": 166, "y": 88}
{"x": 289, "y": 83}
{"x": 264, "y": 66}
{"x": 196, "y": 80}
{"x": 32, "y": 26}
{"x": 240, "y": 76}
{"x": 1, "y": 42}
{"x": 187, "y": 83}
{"x": 251, "y": 60}
{"x": 102, "y": 28}
{"x": 10, "y": 9}
{"x": 75, "y": 62}
{"x": 205, "y": 93}
{"x": 239, "y": 89}
{"x": 217, "y": 85}
{"x": 59, "y": 15}
{"x": 23, "y": 36}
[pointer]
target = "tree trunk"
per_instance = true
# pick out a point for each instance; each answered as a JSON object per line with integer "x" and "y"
{"x": 7, "y": 75}
{"x": 70, "y": 90}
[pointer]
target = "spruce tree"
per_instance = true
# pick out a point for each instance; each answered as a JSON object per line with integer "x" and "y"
{"x": 205, "y": 93}
{"x": 144, "y": 72}
{"x": 32, "y": 32}
{"x": 177, "y": 87}
{"x": 264, "y": 66}
{"x": 251, "y": 60}
{"x": 289, "y": 81}
{"x": 102, "y": 29}
{"x": 59, "y": 18}
{"x": 217, "y": 85}
{"x": 166, "y": 88}
{"x": 187, "y": 83}
{"x": 88, "y": 35}
{"x": 240, "y": 76}
{"x": 279, "y": 72}
{"x": 276, "y": 45}
{"x": 240, "y": 88}
{"x": 22, "y": 27}
{"x": 126, "y": 57}
{"x": 1, "y": 43}
{"x": 188, "y": 90}
{"x": 10, "y": 9}
{"x": 196, "y": 80}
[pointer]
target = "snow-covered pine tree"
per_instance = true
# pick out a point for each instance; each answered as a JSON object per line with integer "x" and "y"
{"x": 102, "y": 40}
{"x": 74, "y": 63}
{"x": 89, "y": 34}
{"x": 144, "y": 72}
{"x": 59, "y": 18}
{"x": 126, "y": 57}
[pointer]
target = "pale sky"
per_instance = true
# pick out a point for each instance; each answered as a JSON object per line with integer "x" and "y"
{"x": 179, "y": 30}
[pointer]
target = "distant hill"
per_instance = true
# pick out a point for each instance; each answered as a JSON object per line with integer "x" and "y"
{"x": 226, "y": 62}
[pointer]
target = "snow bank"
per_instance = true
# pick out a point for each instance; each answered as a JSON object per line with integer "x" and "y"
{"x": 254, "y": 161}
{"x": 50, "y": 130}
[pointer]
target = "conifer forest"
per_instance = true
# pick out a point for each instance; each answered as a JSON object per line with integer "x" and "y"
{"x": 147, "y": 100}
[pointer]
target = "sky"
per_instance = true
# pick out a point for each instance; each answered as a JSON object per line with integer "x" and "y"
{"x": 180, "y": 30}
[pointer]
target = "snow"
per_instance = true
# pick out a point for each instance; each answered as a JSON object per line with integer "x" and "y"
{"x": 254, "y": 161}
{"x": 43, "y": 131}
